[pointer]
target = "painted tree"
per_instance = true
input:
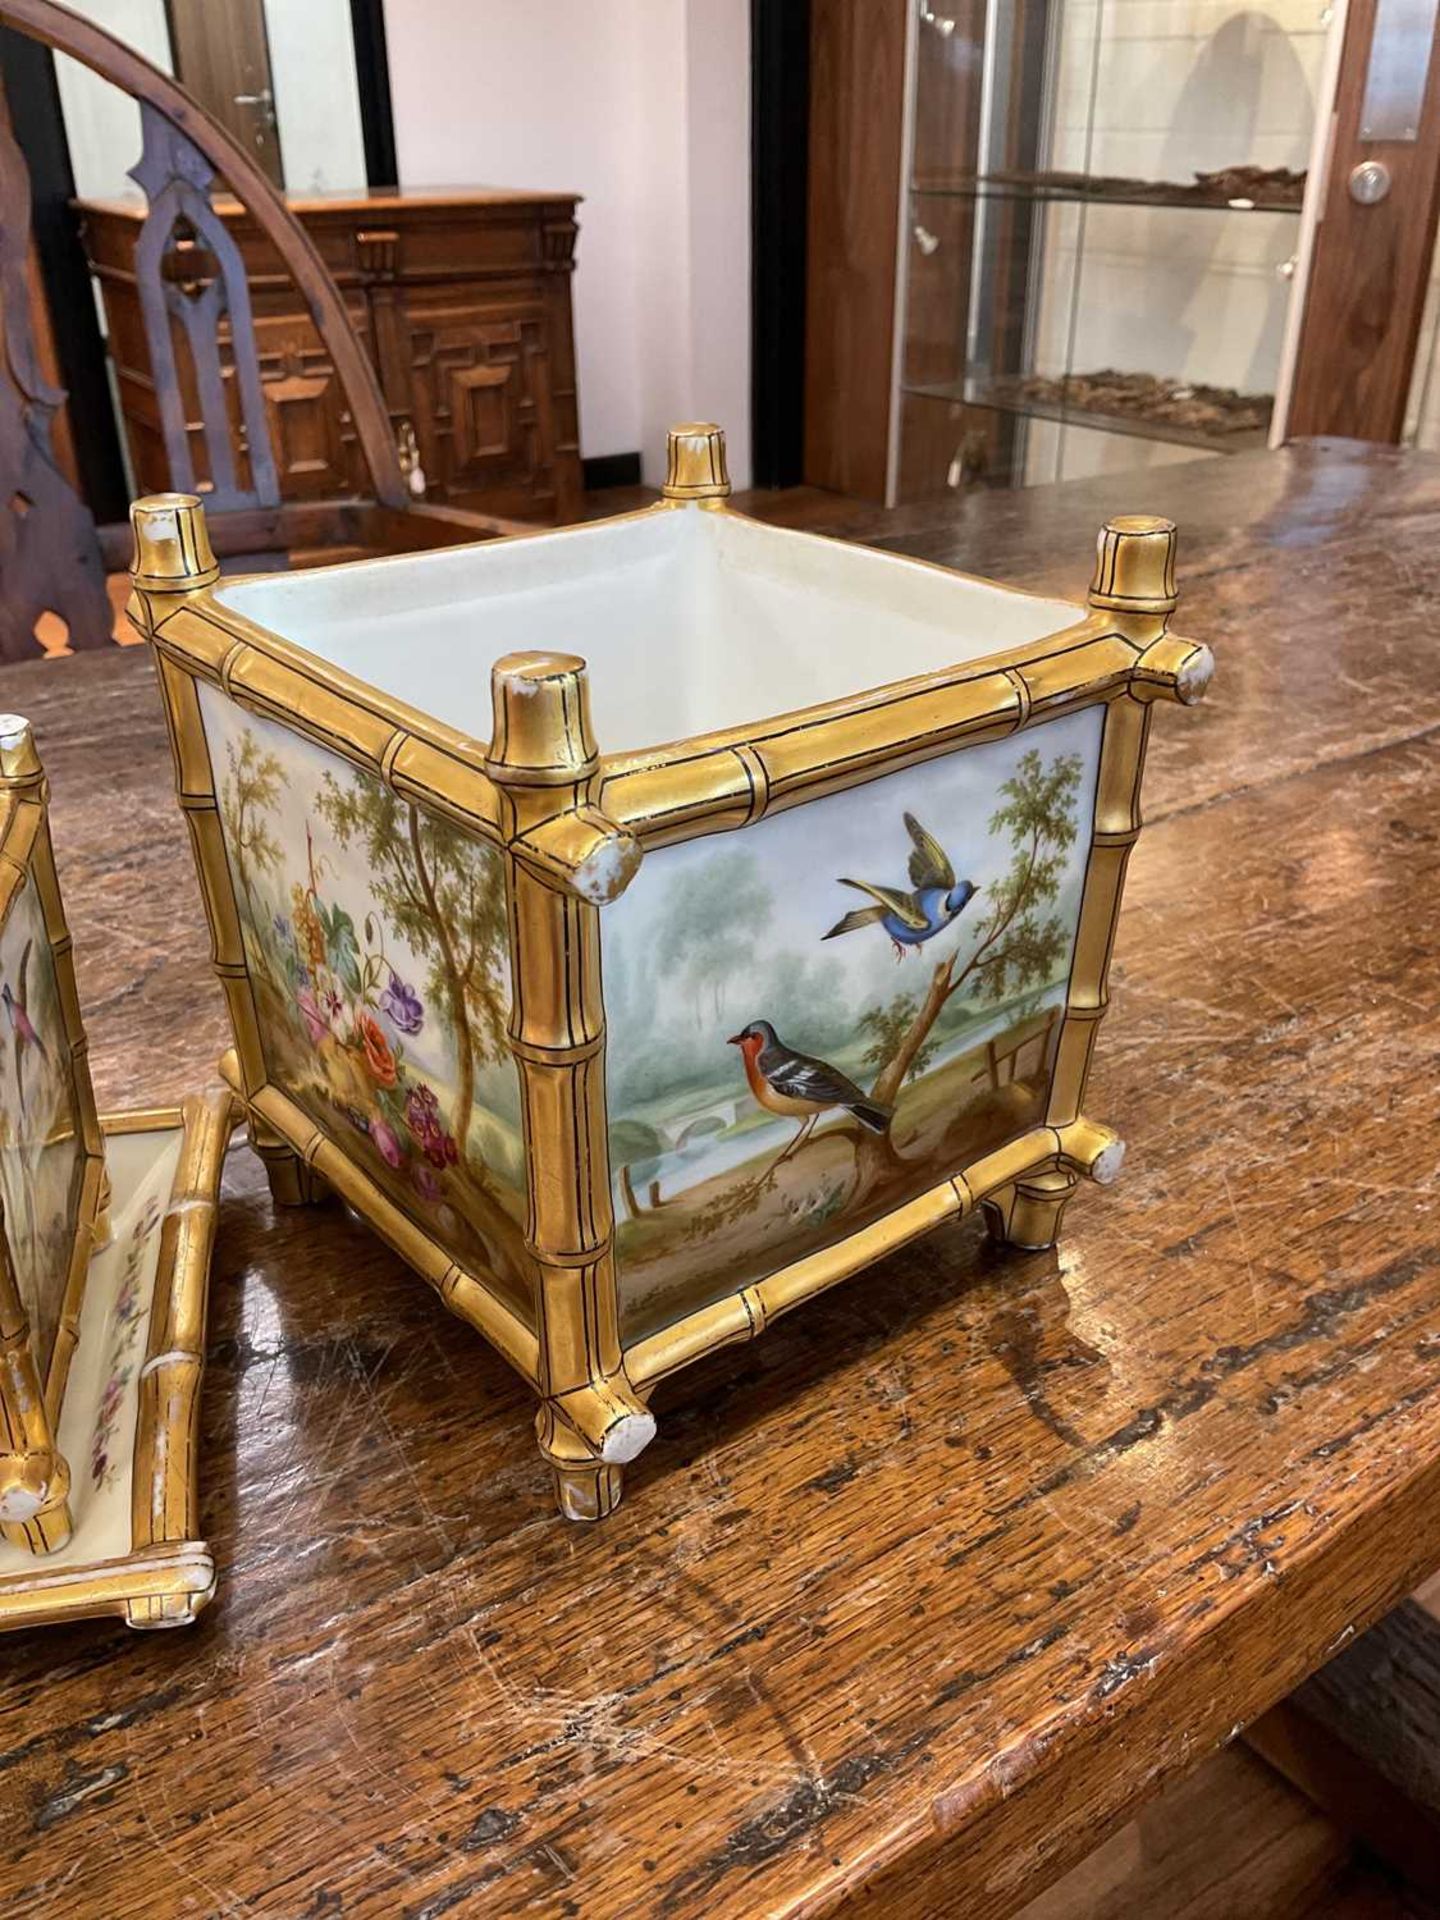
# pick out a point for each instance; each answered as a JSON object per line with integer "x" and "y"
{"x": 714, "y": 916}
{"x": 888, "y": 1027}
{"x": 247, "y": 793}
{"x": 1020, "y": 943}
{"x": 444, "y": 895}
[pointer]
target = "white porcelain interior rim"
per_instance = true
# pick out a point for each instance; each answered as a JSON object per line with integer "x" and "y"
{"x": 689, "y": 621}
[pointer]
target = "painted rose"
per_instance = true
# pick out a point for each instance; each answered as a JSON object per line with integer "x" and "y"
{"x": 378, "y": 1057}
{"x": 315, "y": 1022}
{"x": 387, "y": 1142}
{"x": 402, "y": 1005}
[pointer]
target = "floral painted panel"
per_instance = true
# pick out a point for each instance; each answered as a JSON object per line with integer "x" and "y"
{"x": 42, "y": 1160}
{"x": 817, "y": 1019}
{"x": 377, "y": 943}
{"x": 135, "y": 1251}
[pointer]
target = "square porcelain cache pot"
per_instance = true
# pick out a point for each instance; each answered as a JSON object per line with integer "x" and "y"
{"x": 647, "y": 924}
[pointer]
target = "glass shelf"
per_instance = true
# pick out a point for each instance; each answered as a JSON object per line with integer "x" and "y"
{"x": 1065, "y": 413}
{"x": 1097, "y": 193}
{"x": 1051, "y": 143}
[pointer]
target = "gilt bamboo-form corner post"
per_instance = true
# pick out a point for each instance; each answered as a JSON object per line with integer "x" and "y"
{"x": 695, "y": 464}
{"x": 1132, "y": 595}
{"x": 173, "y": 561}
{"x": 564, "y": 859}
{"x": 35, "y": 1476}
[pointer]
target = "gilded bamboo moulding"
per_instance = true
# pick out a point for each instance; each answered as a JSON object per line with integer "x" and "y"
{"x": 106, "y": 1228}
{"x": 648, "y": 924}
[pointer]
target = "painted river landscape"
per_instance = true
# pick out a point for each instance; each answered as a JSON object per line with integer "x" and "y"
{"x": 814, "y": 1021}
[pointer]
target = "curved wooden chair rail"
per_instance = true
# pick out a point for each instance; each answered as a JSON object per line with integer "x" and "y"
{"x": 51, "y": 555}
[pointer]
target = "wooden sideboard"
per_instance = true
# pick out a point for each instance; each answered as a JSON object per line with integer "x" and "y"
{"x": 462, "y": 299}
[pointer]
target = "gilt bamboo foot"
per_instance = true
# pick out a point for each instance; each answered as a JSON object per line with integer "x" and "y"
{"x": 1027, "y": 1214}
{"x": 293, "y": 1182}
{"x": 590, "y": 1478}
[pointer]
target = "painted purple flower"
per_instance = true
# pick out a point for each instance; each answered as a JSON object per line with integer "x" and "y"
{"x": 284, "y": 932}
{"x": 422, "y": 1117}
{"x": 385, "y": 1139}
{"x": 426, "y": 1185}
{"x": 422, "y": 1112}
{"x": 315, "y": 1022}
{"x": 402, "y": 1005}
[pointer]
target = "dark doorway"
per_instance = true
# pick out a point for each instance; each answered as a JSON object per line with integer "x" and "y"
{"x": 779, "y": 153}
{"x": 86, "y": 425}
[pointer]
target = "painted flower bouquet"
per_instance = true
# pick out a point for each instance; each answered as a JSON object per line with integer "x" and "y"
{"x": 357, "y": 1014}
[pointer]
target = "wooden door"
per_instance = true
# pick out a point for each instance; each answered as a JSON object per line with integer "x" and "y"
{"x": 222, "y": 56}
{"x": 1373, "y": 245}
{"x": 857, "y": 114}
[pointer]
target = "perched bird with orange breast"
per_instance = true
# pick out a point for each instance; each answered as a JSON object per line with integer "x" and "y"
{"x": 799, "y": 1087}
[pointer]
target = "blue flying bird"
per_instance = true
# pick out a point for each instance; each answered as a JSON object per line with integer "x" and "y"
{"x": 911, "y": 919}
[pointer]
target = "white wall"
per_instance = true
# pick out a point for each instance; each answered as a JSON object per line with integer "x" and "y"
{"x": 102, "y": 125}
{"x": 643, "y": 107}
{"x": 718, "y": 79}
{"x": 317, "y": 100}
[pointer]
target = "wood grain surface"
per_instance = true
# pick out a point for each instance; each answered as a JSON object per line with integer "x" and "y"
{"x": 857, "y": 81}
{"x": 916, "y": 1599}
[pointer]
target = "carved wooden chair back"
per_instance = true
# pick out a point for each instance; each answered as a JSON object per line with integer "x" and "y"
{"x": 195, "y": 304}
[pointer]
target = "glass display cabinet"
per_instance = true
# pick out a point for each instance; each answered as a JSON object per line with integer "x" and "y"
{"x": 1104, "y": 208}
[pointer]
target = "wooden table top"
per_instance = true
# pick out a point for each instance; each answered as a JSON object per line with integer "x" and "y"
{"x": 915, "y": 1598}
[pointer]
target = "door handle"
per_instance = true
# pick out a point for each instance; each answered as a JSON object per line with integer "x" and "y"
{"x": 1369, "y": 182}
{"x": 264, "y": 100}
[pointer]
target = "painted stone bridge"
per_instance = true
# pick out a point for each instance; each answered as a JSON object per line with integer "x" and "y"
{"x": 713, "y": 1117}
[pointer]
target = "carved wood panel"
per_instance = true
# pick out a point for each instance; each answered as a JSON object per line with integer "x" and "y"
{"x": 312, "y": 436}
{"x": 480, "y": 384}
